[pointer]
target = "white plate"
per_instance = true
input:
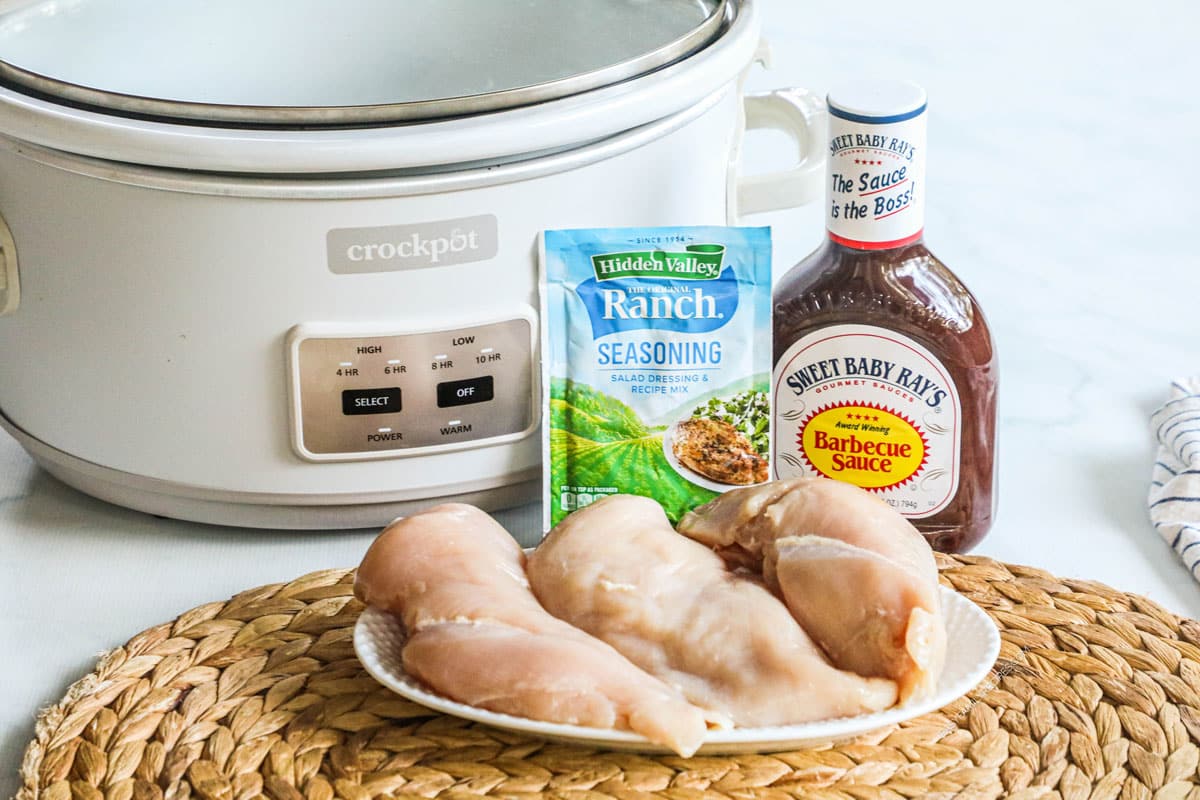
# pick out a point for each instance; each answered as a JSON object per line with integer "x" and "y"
{"x": 974, "y": 645}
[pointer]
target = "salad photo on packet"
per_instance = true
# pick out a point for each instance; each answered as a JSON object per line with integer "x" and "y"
{"x": 656, "y": 352}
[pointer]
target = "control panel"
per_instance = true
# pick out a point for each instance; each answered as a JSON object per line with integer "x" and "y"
{"x": 359, "y": 393}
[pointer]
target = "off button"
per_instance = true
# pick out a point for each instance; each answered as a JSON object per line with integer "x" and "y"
{"x": 463, "y": 393}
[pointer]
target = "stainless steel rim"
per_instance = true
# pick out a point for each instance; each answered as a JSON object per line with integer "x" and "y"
{"x": 380, "y": 114}
{"x": 351, "y": 186}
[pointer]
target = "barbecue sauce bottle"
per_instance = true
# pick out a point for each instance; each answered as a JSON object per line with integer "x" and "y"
{"x": 885, "y": 372}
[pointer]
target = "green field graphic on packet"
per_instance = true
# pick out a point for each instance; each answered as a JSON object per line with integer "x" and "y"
{"x": 656, "y": 350}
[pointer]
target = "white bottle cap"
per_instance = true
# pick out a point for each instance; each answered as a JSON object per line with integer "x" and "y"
{"x": 878, "y": 101}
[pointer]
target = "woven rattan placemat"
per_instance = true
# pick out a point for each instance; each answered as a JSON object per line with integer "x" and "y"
{"x": 1096, "y": 694}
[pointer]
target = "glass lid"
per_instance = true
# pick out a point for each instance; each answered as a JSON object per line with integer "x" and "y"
{"x": 338, "y": 62}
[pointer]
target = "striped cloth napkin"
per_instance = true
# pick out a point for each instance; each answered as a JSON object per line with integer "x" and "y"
{"x": 1175, "y": 485}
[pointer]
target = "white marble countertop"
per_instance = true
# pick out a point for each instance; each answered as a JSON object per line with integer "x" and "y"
{"x": 1061, "y": 189}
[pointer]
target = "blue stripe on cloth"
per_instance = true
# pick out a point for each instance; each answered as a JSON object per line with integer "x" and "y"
{"x": 1175, "y": 500}
{"x": 1160, "y": 419}
{"x": 1190, "y": 418}
{"x": 1175, "y": 438}
{"x": 1170, "y": 403}
{"x": 1189, "y": 403}
{"x": 1179, "y": 535}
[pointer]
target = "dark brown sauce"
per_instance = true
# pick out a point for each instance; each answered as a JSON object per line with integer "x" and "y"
{"x": 909, "y": 291}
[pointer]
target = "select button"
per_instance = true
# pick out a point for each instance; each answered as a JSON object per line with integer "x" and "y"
{"x": 370, "y": 401}
{"x": 463, "y": 393}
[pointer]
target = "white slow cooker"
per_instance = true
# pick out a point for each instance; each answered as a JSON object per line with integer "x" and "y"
{"x": 273, "y": 262}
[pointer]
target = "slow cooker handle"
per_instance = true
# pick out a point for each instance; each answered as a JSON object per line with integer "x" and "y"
{"x": 10, "y": 286}
{"x": 801, "y": 114}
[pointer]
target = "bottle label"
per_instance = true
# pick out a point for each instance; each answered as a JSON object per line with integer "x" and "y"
{"x": 876, "y": 180}
{"x": 872, "y": 407}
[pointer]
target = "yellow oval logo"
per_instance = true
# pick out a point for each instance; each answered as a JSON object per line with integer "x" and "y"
{"x": 872, "y": 447}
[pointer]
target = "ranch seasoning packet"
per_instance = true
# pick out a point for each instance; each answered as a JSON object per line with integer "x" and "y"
{"x": 656, "y": 353}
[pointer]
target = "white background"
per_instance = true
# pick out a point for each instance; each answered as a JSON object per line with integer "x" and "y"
{"x": 1062, "y": 188}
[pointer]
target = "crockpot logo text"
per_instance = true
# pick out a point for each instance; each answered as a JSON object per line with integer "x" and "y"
{"x": 401, "y": 247}
{"x": 433, "y": 249}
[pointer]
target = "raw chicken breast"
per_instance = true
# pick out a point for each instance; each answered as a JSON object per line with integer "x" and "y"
{"x": 619, "y": 571}
{"x": 451, "y": 563}
{"x": 551, "y": 677}
{"x": 477, "y": 634}
{"x": 856, "y": 575}
{"x": 864, "y": 638}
